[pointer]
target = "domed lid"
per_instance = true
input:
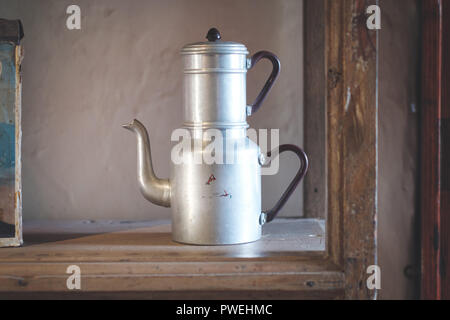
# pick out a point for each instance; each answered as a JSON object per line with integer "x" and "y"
{"x": 214, "y": 45}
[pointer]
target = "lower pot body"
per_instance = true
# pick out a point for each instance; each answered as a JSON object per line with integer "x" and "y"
{"x": 219, "y": 203}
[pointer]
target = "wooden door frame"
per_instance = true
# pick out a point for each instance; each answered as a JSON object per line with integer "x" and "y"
{"x": 350, "y": 139}
{"x": 351, "y": 54}
{"x": 435, "y": 150}
{"x": 344, "y": 171}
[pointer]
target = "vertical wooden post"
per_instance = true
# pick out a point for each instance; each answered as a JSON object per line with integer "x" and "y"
{"x": 435, "y": 150}
{"x": 351, "y": 62}
{"x": 445, "y": 156}
{"x": 430, "y": 146}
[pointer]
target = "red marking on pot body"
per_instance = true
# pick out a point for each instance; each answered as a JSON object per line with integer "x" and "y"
{"x": 211, "y": 179}
{"x": 225, "y": 194}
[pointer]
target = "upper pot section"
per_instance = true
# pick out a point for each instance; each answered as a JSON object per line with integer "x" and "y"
{"x": 214, "y": 45}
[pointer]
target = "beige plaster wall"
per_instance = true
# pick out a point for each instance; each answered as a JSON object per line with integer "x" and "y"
{"x": 398, "y": 239}
{"x": 80, "y": 86}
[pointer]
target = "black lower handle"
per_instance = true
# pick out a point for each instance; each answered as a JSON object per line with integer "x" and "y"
{"x": 272, "y": 213}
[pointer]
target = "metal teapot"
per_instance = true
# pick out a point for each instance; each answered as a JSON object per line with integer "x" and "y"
{"x": 216, "y": 203}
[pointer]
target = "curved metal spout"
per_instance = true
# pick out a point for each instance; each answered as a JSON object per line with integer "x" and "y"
{"x": 153, "y": 189}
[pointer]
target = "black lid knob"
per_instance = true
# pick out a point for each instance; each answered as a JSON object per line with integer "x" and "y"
{"x": 213, "y": 35}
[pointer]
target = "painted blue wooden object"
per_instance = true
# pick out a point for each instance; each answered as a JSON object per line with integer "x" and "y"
{"x": 11, "y": 33}
{"x": 7, "y": 138}
{"x": 7, "y": 113}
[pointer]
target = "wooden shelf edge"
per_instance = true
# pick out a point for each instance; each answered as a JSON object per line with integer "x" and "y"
{"x": 181, "y": 295}
{"x": 330, "y": 281}
{"x": 173, "y": 276}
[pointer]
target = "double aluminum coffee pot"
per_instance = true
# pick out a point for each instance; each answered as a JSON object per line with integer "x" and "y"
{"x": 216, "y": 203}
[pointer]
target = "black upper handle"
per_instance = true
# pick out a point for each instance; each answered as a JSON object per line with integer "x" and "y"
{"x": 269, "y": 83}
{"x": 271, "y": 214}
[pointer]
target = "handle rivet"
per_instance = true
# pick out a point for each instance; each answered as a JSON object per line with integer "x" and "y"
{"x": 262, "y": 159}
{"x": 263, "y": 218}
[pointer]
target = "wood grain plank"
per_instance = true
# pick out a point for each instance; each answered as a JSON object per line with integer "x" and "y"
{"x": 445, "y": 155}
{"x": 141, "y": 277}
{"x": 181, "y": 295}
{"x": 430, "y": 147}
{"x": 351, "y": 60}
{"x": 359, "y": 148}
{"x": 334, "y": 66}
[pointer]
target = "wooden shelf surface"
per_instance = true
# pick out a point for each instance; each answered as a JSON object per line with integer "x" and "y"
{"x": 140, "y": 258}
